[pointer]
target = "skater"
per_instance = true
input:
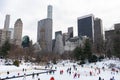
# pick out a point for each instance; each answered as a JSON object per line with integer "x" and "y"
{"x": 63, "y": 64}
{"x": 69, "y": 72}
{"x": 90, "y": 73}
{"x": 24, "y": 78}
{"x": 75, "y": 75}
{"x": 37, "y": 74}
{"x": 8, "y": 72}
{"x": 116, "y": 71}
{"x": 53, "y": 71}
{"x": 99, "y": 78}
{"x": 50, "y": 72}
{"x": 61, "y": 71}
{"x": 45, "y": 67}
{"x": 98, "y": 71}
{"x": 23, "y": 69}
{"x": 74, "y": 67}
{"x": 79, "y": 75}
{"x": 110, "y": 78}
{"x": 103, "y": 68}
{"x": 113, "y": 78}
{"x": 33, "y": 75}
{"x": 55, "y": 67}
{"x": 52, "y": 78}
{"x": 18, "y": 74}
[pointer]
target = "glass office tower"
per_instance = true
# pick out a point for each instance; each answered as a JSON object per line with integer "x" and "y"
{"x": 86, "y": 26}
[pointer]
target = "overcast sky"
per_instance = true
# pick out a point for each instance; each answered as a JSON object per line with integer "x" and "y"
{"x": 65, "y": 13}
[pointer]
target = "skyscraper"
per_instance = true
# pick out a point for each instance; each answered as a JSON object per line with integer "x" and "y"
{"x": 18, "y": 32}
{"x": 98, "y": 35}
{"x": 44, "y": 34}
{"x": 65, "y": 37}
{"x": 86, "y": 26}
{"x": 7, "y": 22}
{"x": 5, "y": 36}
{"x": 0, "y": 37}
{"x": 98, "y": 30}
{"x": 57, "y": 33}
{"x": 49, "y": 11}
{"x": 117, "y": 26}
{"x": 59, "y": 47}
{"x": 112, "y": 38}
{"x": 70, "y": 32}
{"x": 58, "y": 42}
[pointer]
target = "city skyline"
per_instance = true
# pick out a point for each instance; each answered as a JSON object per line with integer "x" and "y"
{"x": 65, "y": 13}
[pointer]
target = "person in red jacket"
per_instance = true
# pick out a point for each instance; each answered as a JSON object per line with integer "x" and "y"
{"x": 52, "y": 78}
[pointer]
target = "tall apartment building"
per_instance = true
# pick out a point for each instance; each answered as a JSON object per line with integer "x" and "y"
{"x": 18, "y": 32}
{"x": 44, "y": 31}
{"x": 44, "y": 34}
{"x": 7, "y": 22}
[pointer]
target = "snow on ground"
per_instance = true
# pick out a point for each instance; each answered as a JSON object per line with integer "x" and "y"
{"x": 84, "y": 72}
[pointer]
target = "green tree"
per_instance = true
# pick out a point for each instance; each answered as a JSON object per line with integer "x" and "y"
{"x": 83, "y": 53}
{"x": 78, "y": 53}
{"x": 87, "y": 49}
{"x": 116, "y": 44}
{"x": 16, "y": 63}
{"x": 5, "y": 48}
{"x": 93, "y": 58}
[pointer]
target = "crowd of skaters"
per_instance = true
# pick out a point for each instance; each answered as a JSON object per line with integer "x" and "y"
{"x": 73, "y": 70}
{"x": 69, "y": 71}
{"x": 112, "y": 78}
{"x": 96, "y": 71}
{"x": 24, "y": 75}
